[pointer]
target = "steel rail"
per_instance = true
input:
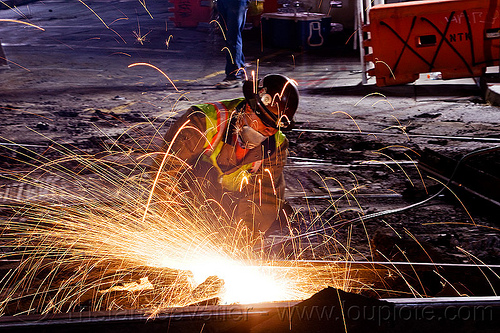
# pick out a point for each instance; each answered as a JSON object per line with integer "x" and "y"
{"x": 330, "y": 310}
{"x": 410, "y": 135}
{"x": 9, "y": 144}
{"x": 461, "y": 186}
{"x": 392, "y": 263}
{"x": 332, "y": 196}
{"x": 337, "y": 312}
{"x": 297, "y": 161}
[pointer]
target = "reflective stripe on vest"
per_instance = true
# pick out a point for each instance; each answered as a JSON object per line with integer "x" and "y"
{"x": 217, "y": 122}
{"x": 222, "y": 115}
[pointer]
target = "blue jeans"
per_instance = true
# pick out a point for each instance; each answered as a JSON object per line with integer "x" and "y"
{"x": 233, "y": 15}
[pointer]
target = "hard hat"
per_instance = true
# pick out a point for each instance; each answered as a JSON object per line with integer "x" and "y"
{"x": 274, "y": 99}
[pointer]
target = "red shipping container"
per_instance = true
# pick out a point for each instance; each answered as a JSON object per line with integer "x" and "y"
{"x": 458, "y": 38}
{"x": 189, "y": 13}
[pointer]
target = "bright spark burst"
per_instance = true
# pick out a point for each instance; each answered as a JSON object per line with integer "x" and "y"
{"x": 109, "y": 241}
{"x": 104, "y": 232}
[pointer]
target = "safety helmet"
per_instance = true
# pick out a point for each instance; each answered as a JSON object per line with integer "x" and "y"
{"x": 274, "y": 99}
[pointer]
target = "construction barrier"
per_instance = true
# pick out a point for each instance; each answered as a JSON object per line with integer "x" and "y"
{"x": 3, "y": 58}
{"x": 458, "y": 38}
{"x": 189, "y": 13}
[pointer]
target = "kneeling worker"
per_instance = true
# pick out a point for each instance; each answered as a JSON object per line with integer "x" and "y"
{"x": 236, "y": 150}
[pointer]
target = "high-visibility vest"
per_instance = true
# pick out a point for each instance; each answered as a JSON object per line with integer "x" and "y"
{"x": 217, "y": 118}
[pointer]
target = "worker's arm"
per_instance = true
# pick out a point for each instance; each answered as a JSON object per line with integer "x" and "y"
{"x": 183, "y": 143}
{"x": 263, "y": 197}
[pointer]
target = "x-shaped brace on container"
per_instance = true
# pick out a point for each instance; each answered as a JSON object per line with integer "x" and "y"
{"x": 442, "y": 40}
{"x": 405, "y": 43}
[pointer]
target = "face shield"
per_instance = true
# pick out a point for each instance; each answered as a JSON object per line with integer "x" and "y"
{"x": 250, "y": 137}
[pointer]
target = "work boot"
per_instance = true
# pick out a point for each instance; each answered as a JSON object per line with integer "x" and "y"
{"x": 229, "y": 83}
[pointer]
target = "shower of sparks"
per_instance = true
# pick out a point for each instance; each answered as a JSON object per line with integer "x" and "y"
{"x": 242, "y": 70}
{"x": 403, "y": 128}
{"x": 123, "y": 53}
{"x": 96, "y": 15}
{"x": 229, "y": 52}
{"x": 220, "y": 27}
{"x": 100, "y": 19}
{"x": 125, "y": 17}
{"x": 351, "y": 36}
{"x": 368, "y": 95}
{"x": 103, "y": 232}
{"x": 22, "y": 22}
{"x": 119, "y": 19}
{"x": 350, "y": 117}
{"x": 112, "y": 238}
{"x": 15, "y": 9}
{"x": 154, "y": 67}
{"x": 107, "y": 232}
{"x": 143, "y": 4}
{"x": 167, "y": 41}
{"x": 384, "y": 101}
{"x": 140, "y": 38}
{"x": 12, "y": 62}
{"x": 386, "y": 65}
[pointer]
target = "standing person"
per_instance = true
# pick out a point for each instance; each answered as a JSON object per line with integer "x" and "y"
{"x": 232, "y": 152}
{"x": 232, "y": 15}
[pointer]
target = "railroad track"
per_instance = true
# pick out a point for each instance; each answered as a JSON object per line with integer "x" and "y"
{"x": 53, "y": 187}
{"x": 458, "y": 315}
{"x": 392, "y": 314}
{"x": 330, "y": 310}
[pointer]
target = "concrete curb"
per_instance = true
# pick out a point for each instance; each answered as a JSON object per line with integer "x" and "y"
{"x": 490, "y": 84}
{"x": 492, "y": 95}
